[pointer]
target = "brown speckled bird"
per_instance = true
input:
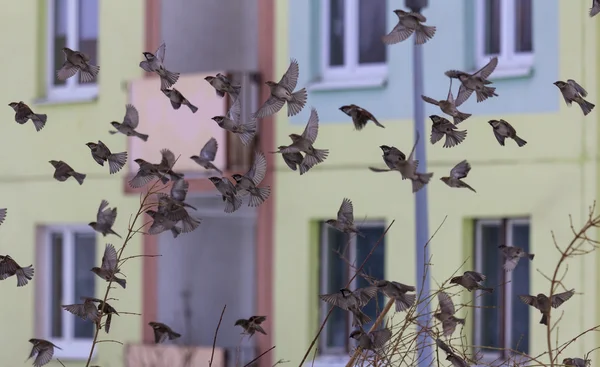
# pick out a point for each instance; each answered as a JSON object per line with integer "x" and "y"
{"x": 109, "y": 269}
{"x": 450, "y": 355}
{"x": 394, "y": 290}
{"x": 173, "y": 205}
{"x": 345, "y": 219}
{"x": 63, "y": 171}
{"x": 476, "y": 82}
{"x": 512, "y": 256}
{"x": 23, "y": 114}
{"x": 9, "y": 267}
{"x": 177, "y": 99}
{"x": 441, "y": 127}
{"x": 374, "y": 340}
{"x": 502, "y": 130}
{"x": 460, "y": 171}
{"x": 229, "y": 193}
{"x": 44, "y": 350}
{"x": 3, "y": 213}
{"x": 544, "y": 304}
{"x": 207, "y": 155}
{"x": 352, "y": 302}
{"x": 409, "y": 23}
{"x": 105, "y": 219}
{"x": 573, "y": 92}
{"x": 223, "y": 85}
{"x": 130, "y": 123}
{"x": 360, "y": 116}
{"x": 252, "y": 325}
{"x": 248, "y": 184}
{"x": 283, "y": 92}
{"x": 595, "y": 9}
{"x": 107, "y": 310}
{"x": 161, "y": 223}
{"x": 86, "y": 310}
{"x": 471, "y": 280}
{"x": 154, "y": 63}
{"x": 448, "y": 106}
{"x": 233, "y": 123}
{"x": 576, "y": 362}
{"x": 446, "y": 314}
{"x": 162, "y": 332}
{"x": 77, "y": 61}
{"x": 101, "y": 154}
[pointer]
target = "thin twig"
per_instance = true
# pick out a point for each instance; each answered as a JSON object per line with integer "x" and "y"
{"x": 212, "y": 353}
{"x": 262, "y": 354}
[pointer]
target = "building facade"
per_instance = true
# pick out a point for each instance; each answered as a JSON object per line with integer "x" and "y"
{"x": 522, "y": 193}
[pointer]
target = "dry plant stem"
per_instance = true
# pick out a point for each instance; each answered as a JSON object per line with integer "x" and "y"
{"x": 260, "y": 355}
{"x": 130, "y": 233}
{"x": 312, "y": 343}
{"x": 212, "y": 353}
{"x": 376, "y": 324}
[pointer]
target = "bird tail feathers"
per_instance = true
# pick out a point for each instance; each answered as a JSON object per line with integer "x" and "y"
{"x": 460, "y": 117}
{"x": 486, "y": 93}
{"x": 192, "y": 108}
{"x": 168, "y": 79}
{"x": 249, "y": 130}
{"x": 144, "y": 137}
{"x": 454, "y": 138}
{"x": 39, "y": 120}
{"x": 176, "y": 231}
{"x": 259, "y": 196}
{"x": 116, "y": 162}
{"x": 90, "y": 73}
{"x": 530, "y": 256}
{"x": 405, "y": 301}
{"x": 79, "y": 177}
{"x": 297, "y": 102}
{"x": 360, "y": 318}
{"x": 424, "y": 33}
{"x": 420, "y": 180}
{"x": 586, "y": 107}
{"x": 24, "y": 275}
{"x": 189, "y": 223}
{"x": 232, "y": 203}
{"x": 520, "y": 142}
{"x": 119, "y": 281}
{"x": 544, "y": 319}
{"x": 594, "y": 10}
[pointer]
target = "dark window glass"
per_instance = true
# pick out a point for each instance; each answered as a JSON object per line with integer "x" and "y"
{"x": 371, "y": 27}
{"x": 491, "y": 304}
{"x": 84, "y": 282}
{"x": 60, "y": 36}
{"x": 336, "y": 278}
{"x": 520, "y": 285}
{"x": 56, "y": 284}
{"x": 336, "y": 32}
{"x": 88, "y": 31}
{"x": 374, "y": 267}
{"x": 492, "y": 27}
{"x": 523, "y": 26}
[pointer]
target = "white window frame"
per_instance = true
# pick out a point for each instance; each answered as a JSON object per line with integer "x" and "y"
{"x": 490, "y": 356}
{"x": 510, "y": 62}
{"x": 72, "y": 90}
{"x": 351, "y": 70}
{"x": 331, "y": 356}
{"x": 71, "y": 348}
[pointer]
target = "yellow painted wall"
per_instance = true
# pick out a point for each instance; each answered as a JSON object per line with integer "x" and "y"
{"x": 27, "y": 188}
{"x": 553, "y": 176}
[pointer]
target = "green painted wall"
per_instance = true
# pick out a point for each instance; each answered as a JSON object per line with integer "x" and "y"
{"x": 552, "y": 177}
{"x": 27, "y": 188}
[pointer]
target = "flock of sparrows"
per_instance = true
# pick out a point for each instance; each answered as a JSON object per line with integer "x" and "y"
{"x": 171, "y": 213}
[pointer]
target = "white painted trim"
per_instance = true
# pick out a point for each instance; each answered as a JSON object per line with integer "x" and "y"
{"x": 354, "y": 83}
{"x": 329, "y": 361}
{"x": 351, "y": 73}
{"x": 72, "y": 348}
{"x": 510, "y": 63}
{"x": 71, "y": 91}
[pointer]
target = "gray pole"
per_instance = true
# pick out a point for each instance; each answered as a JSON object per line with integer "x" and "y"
{"x": 421, "y": 204}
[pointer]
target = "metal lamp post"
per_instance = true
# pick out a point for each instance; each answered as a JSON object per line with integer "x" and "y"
{"x": 421, "y": 204}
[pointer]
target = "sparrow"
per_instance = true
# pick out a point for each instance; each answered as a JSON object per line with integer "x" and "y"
{"x": 446, "y": 314}
{"x": 233, "y": 123}
{"x": 63, "y": 171}
{"x": 396, "y": 291}
{"x": 352, "y": 301}
{"x": 448, "y": 106}
{"x": 207, "y": 155}
{"x": 460, "y": 171}
{"x": 294, "y": 160}
{"x": 23, "y": 114}
{"x": 107, "y": 310}
{"x": 77, "y": 61}
{"x": 154, "y": 64}
{"x": 502, "y": 130}
{"x": 252, "y": 325}
{"x": 9, "y": 267}
{"x": 86, "y": 310}
{"x": 101, "y": 153}
{"x": 471, "y": 281}
{"x": 44, "y": 350}
{"x": 360, "y": 116}
{"x": 172, "y": 206}
{"x": 441, "y": 127}
{"x": 162, "y": 332}
{"x": 576, "y": 362}
{"x": 304, "y": 143}
{"x": 229, "y": 193}
{"x": 109, "y": 267}
{"x": 474, "y": 82}
{"x": 345, "y": 219}
{"x": 161, "y": 223}
{"x": 407, "y": 24}
{"x": 166, "y": 164}
{"x": 374, "y": 340}
{"x": 149, "y": 171}
{"x": 177, "y": 99}
{"x": 223, "y": 85}
{"x": 105, "y": 219}
{"x": 130, "y": 122}
{"x": 513, "y": 255}
{"x": 3, "y": 213}
{"x": 450, "y": 355}
{"x": 283, "y": 92}
{"x": 573, "y": 92}
{"x": 248, "y": 183}
{"x": 392, "y": 157}
{"x": 543, "y": 303}
{"x": 595, "y": 9}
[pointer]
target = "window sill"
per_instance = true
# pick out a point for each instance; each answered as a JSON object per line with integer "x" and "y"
{"x": 374, "y": 82}
{"x": 329, "y": 361}
{"x": 510, "y": 72}
{"x": 55, "y": 100}
{"x": 73, "y": 349}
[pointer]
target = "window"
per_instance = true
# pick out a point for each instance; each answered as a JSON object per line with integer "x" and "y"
{"x": 72, "y": 24}
{"x": 351, "y": 39}
{"x": 335, "y": 273}
{"x": 501, "y": 319}
{"x": 69, "y": 254}
{"x": 504, "y": 29}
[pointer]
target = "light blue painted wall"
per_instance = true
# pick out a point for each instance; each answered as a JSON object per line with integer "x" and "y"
{"x": 451, "y": 48}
